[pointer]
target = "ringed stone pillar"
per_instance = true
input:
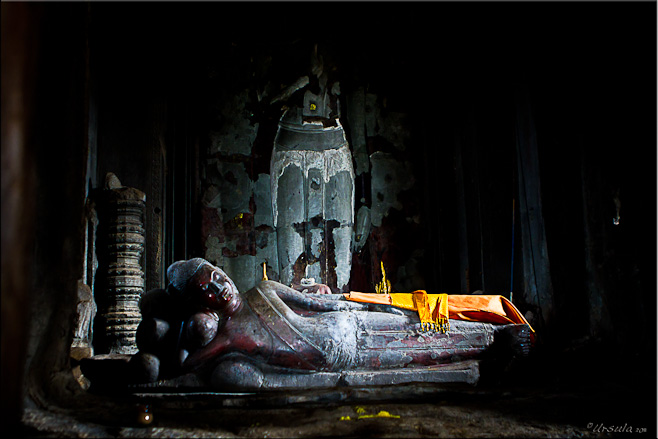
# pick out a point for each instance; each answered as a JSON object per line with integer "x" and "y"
{"x": 124, "y": 276}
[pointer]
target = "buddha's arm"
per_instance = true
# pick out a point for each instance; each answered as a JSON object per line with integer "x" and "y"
{"x": 218, "y": 346}
{"x": 325, "y": 302}
{"x": 313, "y": 302}
{"x": 314, "y": 289}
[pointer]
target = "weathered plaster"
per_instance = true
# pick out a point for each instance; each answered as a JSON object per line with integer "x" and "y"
{"x": 269, "y": 255}
{"x": 357, "y": 123}
{"x": 263, "y": 201}
{"x": 288, "y": 255}
{"x": 343, "y": 249}
{"x": 235, "y": 189}
{"x": 236, "y": 134}
{"x": 211, "y": 197}
{"x": 392, "y": 126}
{"x": 244, "y": 271}
{"x": 213, "y": 252}
{"x": 389, "y": 177}
{"x": 372, "y": 114}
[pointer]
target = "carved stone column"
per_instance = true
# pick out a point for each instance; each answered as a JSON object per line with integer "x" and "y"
{"x": 124, "y": 277}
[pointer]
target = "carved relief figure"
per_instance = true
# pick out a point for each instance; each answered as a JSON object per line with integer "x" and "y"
{"x": 86, "y": 311}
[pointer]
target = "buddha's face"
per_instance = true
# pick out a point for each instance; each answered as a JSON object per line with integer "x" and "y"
{"x": 217, "y": 290}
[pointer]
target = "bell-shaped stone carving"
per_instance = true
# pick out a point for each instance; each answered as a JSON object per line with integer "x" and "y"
{"x": 312, "y": 184}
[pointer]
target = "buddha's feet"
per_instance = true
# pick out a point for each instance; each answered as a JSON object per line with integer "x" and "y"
{"x": 514, "y": 340}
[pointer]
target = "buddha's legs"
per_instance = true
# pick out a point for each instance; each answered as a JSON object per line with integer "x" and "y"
{"x": 385, "y": 340}
{"x": 386, "y": 345}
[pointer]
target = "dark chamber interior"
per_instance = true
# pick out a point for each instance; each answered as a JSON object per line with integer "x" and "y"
{"x": 472, "y": 110}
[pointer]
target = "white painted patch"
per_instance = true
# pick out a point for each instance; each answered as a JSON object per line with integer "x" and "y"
{"x": 329, "y": 162}
{"x": 343, "y": 248}
{"x": 316, "y": 241}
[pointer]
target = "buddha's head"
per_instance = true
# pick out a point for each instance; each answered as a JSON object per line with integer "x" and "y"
{"x": 199, "y": 280}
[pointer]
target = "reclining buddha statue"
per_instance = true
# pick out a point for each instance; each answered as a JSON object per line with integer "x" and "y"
{"x": 203, "y": 332}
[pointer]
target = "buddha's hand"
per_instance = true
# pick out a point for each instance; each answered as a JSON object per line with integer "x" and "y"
{"x": 312, "y": 288}
{"x": 319, "y": 289}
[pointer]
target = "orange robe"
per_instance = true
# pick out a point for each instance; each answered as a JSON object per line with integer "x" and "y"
{"x": 436, "y": 309}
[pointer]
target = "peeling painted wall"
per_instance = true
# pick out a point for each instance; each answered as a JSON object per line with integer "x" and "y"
{"x": 236, "y": 215}
{"x": 236, "y": 134}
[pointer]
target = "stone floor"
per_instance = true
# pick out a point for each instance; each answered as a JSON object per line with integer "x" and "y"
{"x": 541, "y": 397}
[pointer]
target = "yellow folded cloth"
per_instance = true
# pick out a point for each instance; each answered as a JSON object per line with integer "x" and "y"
{"x": 432, "y": 308}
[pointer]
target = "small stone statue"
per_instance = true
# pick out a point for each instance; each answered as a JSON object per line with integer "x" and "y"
{"x": 86, "y": 311}
{"x": 203, "y": 330}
